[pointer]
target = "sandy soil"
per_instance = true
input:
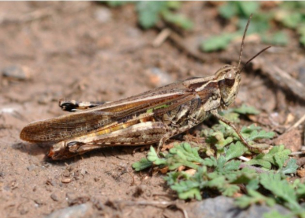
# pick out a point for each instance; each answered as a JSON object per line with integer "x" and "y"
{"x": 86, "y": 51}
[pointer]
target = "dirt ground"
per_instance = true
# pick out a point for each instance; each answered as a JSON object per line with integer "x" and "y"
{"x": 87, "y": 51}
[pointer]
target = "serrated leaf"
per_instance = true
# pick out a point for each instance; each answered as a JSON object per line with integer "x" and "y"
{"x": 260, "y": 135}
{"x": 244, "y": 109}
{"x": 249, "y": 129}
{"x": 291, "y": 167}
{"x": 260, "y": 162}
{"x": 229, "y": 190}
{"x": 210, "y": 162}
{"x": 235, "y": 150}
{"x": 178, "y": 20}
{"x": 276, "y": 156}
{"x": 259, "y": 23}
{"x": 148, "y": 12}
{"x": 232, "y": 165}
{"x": 280, "y": 188}
{"x": 217, "y": 42}
{"x": 116, "y": 3}
{"x": 228, "y": 10}
{"x": 173, "y": 4}
{"x": 247, "y": 8}
{"x": 152, "y": 156}
{"x": 253, "y": 184}
{"x": 279, "y": 38}
{"x": 253, "y": 197}
{"x": 302, "y": 40}
{"x": 301, "y": 190}
{"x": 276, "y": 214}
{"x": 252, "y": 133}
{"x": 191, "y": 193}
{"x": 217, "y": 182}
{"x": 292, "y": 20}
{"x": 233, "y": 117}
{"x": 142, "y": 164}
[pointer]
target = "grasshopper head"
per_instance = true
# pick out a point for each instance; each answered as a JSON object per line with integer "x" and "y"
{"x": 228, "y": 79}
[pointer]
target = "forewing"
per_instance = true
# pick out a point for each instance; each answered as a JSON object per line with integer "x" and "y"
{"x": 79, "y": 123}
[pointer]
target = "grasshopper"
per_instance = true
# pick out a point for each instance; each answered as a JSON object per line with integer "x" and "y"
{"x": 150, "y": 117}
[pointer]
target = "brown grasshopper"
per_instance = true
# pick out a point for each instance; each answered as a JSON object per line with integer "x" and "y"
{"x": 150, "y": 117}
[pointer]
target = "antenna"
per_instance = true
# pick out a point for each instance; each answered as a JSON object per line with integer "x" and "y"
{"x": 242, "y": 42}
{"x": 254, "y": 57}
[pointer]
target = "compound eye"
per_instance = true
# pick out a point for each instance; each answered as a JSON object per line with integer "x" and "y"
{"x": 230, "y": 75}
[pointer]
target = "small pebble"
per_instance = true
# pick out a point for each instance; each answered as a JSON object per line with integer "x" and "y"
{"x": 77, "y": 211}
{"x": 66, "y": 180}
{"x": 17, "y": 72}
{"x": 54, "y": 197}
{"x": 103, "y": 15}
{"x": 158, "y": 77}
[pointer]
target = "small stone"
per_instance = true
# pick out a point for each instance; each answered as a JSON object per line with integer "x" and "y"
{"x": 224, "y": 207}
{"x": 157, "y": 77}
{"x": 77, "y": 211}
{"x": 17, "y": 72}
{"x": 66, "y": 180}
{"x": 103, "y": 15}
{"x": 54, "y": 197}
{"x": 22, "y": 209}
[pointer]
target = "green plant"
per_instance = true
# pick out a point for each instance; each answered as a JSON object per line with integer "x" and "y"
{"x": 151, "y": 12}
{"x": 260, "y": 24}
{"x": 216, "y": 168}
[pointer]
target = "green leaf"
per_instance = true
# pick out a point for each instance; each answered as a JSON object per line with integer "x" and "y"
{"x": 142, "y": 164}
{"x": 301, "y": 190}
{"x": 211, "y": 162}
{"x": 261, "y": 135}
{"x": 302, "y": 40}
{"x": 217, "y": 42}
{"x": 276, "y": 156}
{"x": 244, "y": 109}
{"x": 228, "y": 10}
{"x": 301, "y": 31}
{"x": 253, "y": 184}
{"x": 276, "y": 214}
{"x": 259, "y": 23}
{"x": 191, "y": 186}
{"x": 148, "y": 12}
{"x": 173, "y": 4}
{"x": 264, "y": 163}
{"x": 235, "y": 150}
{"x": 251, "y": 133}
{"x": 189, "y": 194}
{"x": 229, "y": 190}
{"x": 152, "y": 156}
{"x": 232, "y": 165}
{"x": 253, "y": 197}
{"x": 292, "y": 20}
{"x": 178, "y": 20}
{"x": 230, "y": 115}
{"x": 247, "y": 8}
{"x": 218, "y": 139}
{"x": 217, "y": 182}
{"x": 116, "y": 3}
{"x": 281, "y": 189}
{"x": 291, "y": 167}
{"x": 279, "y": 38}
